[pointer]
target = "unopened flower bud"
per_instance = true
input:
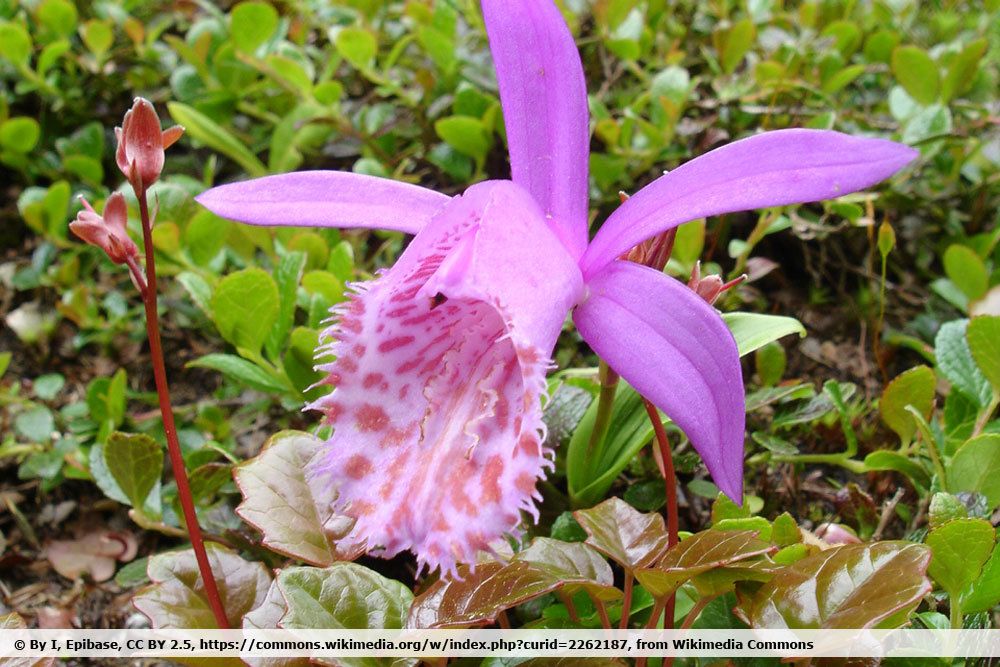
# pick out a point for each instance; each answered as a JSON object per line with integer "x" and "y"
{"x": 710, "y": 287}
{"x": 834, "y": 533}
{"x": 107, "y": 232}
{"x": 141, "y": 143}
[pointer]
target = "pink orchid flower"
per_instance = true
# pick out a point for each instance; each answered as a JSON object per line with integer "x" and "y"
{"x": 441, "y": 360}
{"x": 109, "y": 232}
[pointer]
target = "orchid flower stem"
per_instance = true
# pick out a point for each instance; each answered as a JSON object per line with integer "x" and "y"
{"x": 602, "y": 611}
{"x": 670, "y": 480}
{"x": 169, "y": 428}
{"x": 567, "y": 601}
{"x": 627, "y": 602}
{"x": 605, "y": 402}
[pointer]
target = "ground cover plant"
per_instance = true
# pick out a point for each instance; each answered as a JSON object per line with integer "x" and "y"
{"x": 560, "y": 387}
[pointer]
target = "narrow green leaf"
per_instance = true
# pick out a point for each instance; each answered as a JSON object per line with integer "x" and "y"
{"x": 242, "y": 371}
{"x": 754, "y": 330}
{"x": 202, "y": 128}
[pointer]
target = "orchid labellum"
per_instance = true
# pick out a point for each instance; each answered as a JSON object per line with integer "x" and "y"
{"x": 440, "y": 361}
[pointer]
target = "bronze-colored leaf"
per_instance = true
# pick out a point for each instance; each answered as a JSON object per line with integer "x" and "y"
{"x": 704, "y": 551}
{"x": 292, "y": 511}
{"x": 266, "y": 617}
{"x": 480, "y": 595}
{"x": 176, "y": 598}
{"x": 852, "y": 586}
{"x": 628, "y": 537}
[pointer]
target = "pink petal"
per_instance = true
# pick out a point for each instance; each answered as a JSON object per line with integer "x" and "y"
{"x": 677, "y": 352}
{"x": 769, "y": 169}
{"x": 440, "y": 367}
{"x": 326, "y": 199}
{"x": 544, "y": 98}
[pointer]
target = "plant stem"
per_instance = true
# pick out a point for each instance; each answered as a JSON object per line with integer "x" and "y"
{"x": 670, "y": 481}
{"x": 627, "y": 602}
{"x": 605, "y": 402}
{"x": 169, "y": 428}
{"x": 602, "y": 611}
{"x": 984, "y": 416}
{"x": 567, "y": 601}
{"x": 696, "y": 610}
{"x": 957, "y": 622}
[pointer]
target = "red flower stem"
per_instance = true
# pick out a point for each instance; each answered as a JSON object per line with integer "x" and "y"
{"x": 602, "y": 611}
{"x": 627, "y": 602}
{"x": 169, "y": 428}
{"x": 670, "y": 480}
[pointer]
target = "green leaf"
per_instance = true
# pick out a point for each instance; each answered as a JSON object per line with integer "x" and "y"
{"x": 770, "y": 361}
{"x": 704, "y": 551}
{"x": 913, "y": 387}
{"x": 983, "y": 336}
{"x": 202, "y": 128}
{"x": 917, "y": 73}
{"x": 97, "y": 35}
{"x": 591, "y": 473}
{"x": 59, "y": 16}
{"x": 883, "y": 459}
{"x": 628, "y": 537}
{"x": 198, "y": 289}
{"x": 966, "y": 269}
{"x": 734, "y": 43}
{"x": 955, "y": 362}
{"x": 976, "y": 467}
{"x": 287, "y": 276}
{"x": 342, "y": 596}
{"x": 984, "y": 593}
{"x": 961, "y": 547}
{"x": 784, "y": 530}
{"x": 291, "y": 509}
{"x": 19, "y": 134}
{"x": 35, "y": 424}
{"x": 245, "y": 306}
{"x": 753, "y": 331}
{"x": 15, "y": 43}
{"x": 465, "y": 134}
{"x": 135, "y": 461}
{"x": 849, "y": 587}
{"x": 945, "y": 507}
{"x": 176, "y": 599}
{"x": 252, "y": 24}
{"x": 5, "y": 358}
{"x": 205, "y": 236}
{"x": 357, "y": 45}
{"x": 242, "y": 371}
{"x": 962, "y": 70}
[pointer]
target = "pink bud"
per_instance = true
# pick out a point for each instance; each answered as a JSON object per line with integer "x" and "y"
{"x": 141, "y": 143}
{"x": 710, "y": 287}
{"x": 834, "y": 533}
{"x": 107, "y": 232}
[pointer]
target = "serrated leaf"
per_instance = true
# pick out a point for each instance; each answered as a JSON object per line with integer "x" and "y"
{"x": 697, "y": 554}
{"x": 976, "y": 467}
{"x": 176, "y": 598}
{"x": 343, "y": 596}
{"x": 135, "y": 461}
{"x": 755, "y": 330}
{"x": 945, "y": 507}
{"x": 913, "y": 387}
{"x": 292, "y": 510}
{"x": 956, "y": 364}
{"x": 628, "y": 537}
{"x": 573, "y": 564}
{"x": 961, "y": 547}
{"x": 853, "y": 586}
{"x": 245, "y": 306}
